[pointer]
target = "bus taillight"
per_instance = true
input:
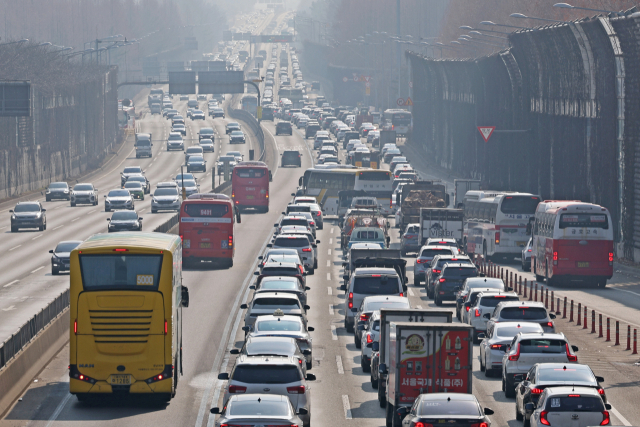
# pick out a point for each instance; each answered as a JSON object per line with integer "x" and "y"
{"x": 610, "y": 258}
{"x": 497, "y": 237}
{"x": 75, "y": 326}
{"x": 555, "y": 258}
{"x": 233, "y": 194}
{"x": 267, "y": 194}
{"x": 230, "y": 241}
{"x": 166, "y": 327}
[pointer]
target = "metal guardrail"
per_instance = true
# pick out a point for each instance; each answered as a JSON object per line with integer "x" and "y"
{"x": 27, "y": 332}
{"x": 167, "y": 225}
{"x": 253, "y": 124}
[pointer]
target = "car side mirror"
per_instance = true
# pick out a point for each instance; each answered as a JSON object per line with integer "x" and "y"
{"x": 311, "y": 377}
{"x": 369, "y": 345}
{"x": 276, "y": 225}
{"x": 574, "y": 348}
{"x": 552, "y": 316}
{"x": 382, "y": 368}
{"x": 306, "y": 307}
{"x": 256, "y": 273}
{"x": 375, "y": 346}
{"x": 44, "y": 210}
{"x": 185, "y": 296}
{"x": 269, "y": 245}
{"x": 481, "y": 335}
{"x": 354, "y": 310}
{"x": 234, "y": 351}
{"x": 243, "y": 306}
{"x": 215, "y": 410}
{"x": 140, "y": 218}
{"x": 50, "y": 251}
{"x": 487, "y": 316}
{"x": 607, "y": 406}
{"x": 310, "y": 329}
{"x": 305, "y": 273}
{"x": 223, "y": 376}
{"x": 509, "y": 289}
{"x": 343, "y": 288}
{"x": 105, "y": 196}
{"x": 529, "y": 407}
{"x": 488, "y": 411}
{"x": 307, "y": 288}
{"x": 402, "y": 411}
{"x": 600, "y": 379}
{"x": 246, "y": 329}
{"x": 518, "y": 378}
{"x": 252, "y": 287}
{"x": 303, "y": 411}
{"x": 108, "y": 219}
{"x": 260, "y": 257}
{"x": 306, "y": 352}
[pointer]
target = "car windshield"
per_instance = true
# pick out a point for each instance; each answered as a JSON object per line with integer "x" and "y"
{"x": 132, "y": 170}
{"x": 543, "y": 346}
{"x": 301, "y": 221}
{"x": 166, "y": 192}
{"x": 266, "y": 374}
{"x": 575, "y": 403}
{"x": 279, "y": 284}
{"x": 137, "y": 179}
{"x": 236, "y": 133}
{"x": 493, "y": 301}
{"x": 197, "y": 112}
{"x": 568, "y": 373}
{"x": 83, "y": 187}
{"x": 206, "y": 141}
{"x": 258, "y": 408}
{"x": 194, "y": 150}
{"x": 133, "y": 184}
{"x": 124, "y": 216}
{"x": 118, "y": 193}
{"x": 485, "y": 283}
{"x": 227, "y": 159}
{"x": 184, "y": 176}
{"x": 376, "y": 284}
{"x": 278, "y": 325}
{"x": 523, "y": 313}
{"x": 512, "y": 331}
{"x": 196, "y": 159}
{"x": 66, "y": 247}
{"x": 188, "y": 183}
{"x": 377, "y": 305}
{"x": 58, "y": 185}
{"x": 444, "y": 408}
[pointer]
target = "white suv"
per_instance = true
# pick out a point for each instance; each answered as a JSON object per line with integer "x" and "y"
{"x": 486, "y": 302}
{"x": 522, "y": 311}
{"x": 528, "y": 349}
{"x": 494, "y": 343}
{"x": 300, "y": 243}
{"x": 271, "y": 375}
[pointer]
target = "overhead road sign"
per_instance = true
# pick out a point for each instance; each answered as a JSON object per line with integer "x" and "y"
{"x": 217, "y": 65}
{"x": 486, "y": 132}
{"x": 272, "y": 38}
{"x": 220, "y": 82}
{"x": 15, "y": 98}
{"x": 182, "y": 82}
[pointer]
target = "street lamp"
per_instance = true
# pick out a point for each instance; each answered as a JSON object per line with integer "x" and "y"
{"x": 17, "y": 41}
{"x": 487, "y": 35}
{"x": 467, "y": 27}
{"x": 472, "y": 40}
{"x": 568, "y": 6}
{"x": 523, "y": 16}
{"x": 502, "y": 25}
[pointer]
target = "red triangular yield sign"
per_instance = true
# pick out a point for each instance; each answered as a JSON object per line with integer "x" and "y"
{"x": 486, "y": 132}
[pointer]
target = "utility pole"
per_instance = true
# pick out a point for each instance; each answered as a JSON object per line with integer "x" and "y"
{"x": 398, "y": 56}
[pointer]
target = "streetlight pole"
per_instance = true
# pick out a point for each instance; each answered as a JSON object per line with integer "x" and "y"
{"x": 523, "y": 16}
{"x": 568, "y": 6}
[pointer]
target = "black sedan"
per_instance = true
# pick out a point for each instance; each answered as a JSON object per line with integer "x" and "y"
{"x": 236, "y": 137}
{"x": 284, "y": 128}
{"x": 543, "y": 375}
{"x": 450, "y": 409}
{"x": 61, "y": 254}
{"x": 125, "y": 221}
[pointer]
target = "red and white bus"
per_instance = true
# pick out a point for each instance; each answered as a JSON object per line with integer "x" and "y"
{"x": 206, "y": 227}
{"x": 572, "y": 241}
{"x": 250, "y": 186}
{"x": 496, "y": 222}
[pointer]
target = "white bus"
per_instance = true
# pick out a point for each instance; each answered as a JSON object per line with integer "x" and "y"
{"x": 325, "y": 183}
{"x": 496, "y": 222}
{"x": 398, "y": 120}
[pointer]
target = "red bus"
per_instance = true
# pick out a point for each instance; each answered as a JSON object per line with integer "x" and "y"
{"x": 572, "y": 241}
{"x": 250, "y": 186}
{"x": 206, "y": 228}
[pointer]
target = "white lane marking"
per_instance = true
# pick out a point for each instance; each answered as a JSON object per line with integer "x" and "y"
{"x": 2, "y": 228}
{"x": 622, "y": 419}
{"x": 331, "y": 310}
{"x": 11, "y": 307}
{"x": 90, "y": 212}
{"x": 329, "y": 290}
{"x": 329, "y": 252}
{"x": 328, "y": 263}
{"x": 410, "y": 292}
{"x": 624, "y": 290}
{"x": 345, "y": 404}
{"x": 419, "y": 307}
{"x": 339, "y": 363}
{"x": 334, "y": 333}
{"x": 331, "y": 230}
{"x": 37, "y": 237}
{"x": 75, "y": 219}
{"x": 328, "y": 276}
{"x": 58, "y": 207}
{"x": 10, "y": 283}
{"x": 59, "y": 409}
{"x": 37, "y": 269}
{"x": 15, "y": 247}
{"x": 60, "y": 226}
{"x": 331, "y": 241}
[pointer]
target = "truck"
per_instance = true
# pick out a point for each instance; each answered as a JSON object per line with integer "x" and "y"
{"x": 143, "y": 145}
{"x": 356, "y": 254}
{"x": 461, "y": 186}
{"x": 426, "y": 358}
{"x": 441, "y": 222}
{"x": 387, "y": 137}
{"x": 381, "y": 347}
{"x": 155, "y": 95}
{"x": 362, "y": 220}
{"x": 418, "y": 195}
{"x": 155, "y": 108}
{"x": 362, "y": 118}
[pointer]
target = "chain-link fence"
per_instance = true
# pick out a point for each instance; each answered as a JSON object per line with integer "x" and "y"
{"x": 565, "y": 102}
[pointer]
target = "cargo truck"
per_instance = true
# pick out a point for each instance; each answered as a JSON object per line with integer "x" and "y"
{"x": 143, "y": 145}
{"x": 418, "y": 195}
{"x": 426, "y": 358}
{"x": 441, "y": 223}
{"x": 461, "y": 186}
{"x": 381, "y": 348}
{"x": 387, "y": 137}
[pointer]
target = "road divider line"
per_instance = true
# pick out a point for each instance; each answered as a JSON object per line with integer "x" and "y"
{"x": 15, "y": 247}
{"x": 331, "y": 313}
{"x": 329, "y": 290}
{"x": 339, "y": 363}
{"x": 334, "y": 333}
{"x": 410, "y": 292}
{"x": 37, "y": 237}
{"x": 11, "y": 283}
{"x": 347, "y": 408}
{"x": 328, "y": 276}
{"x": 60, "y": 226}
{"x": 37, "y": 269}
{"x": 622, "y": 419}
{"x": 329, "y": 252}
{"x": 331, "y": 241}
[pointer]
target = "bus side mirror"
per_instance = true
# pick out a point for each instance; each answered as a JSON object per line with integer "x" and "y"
{"x": 270, "y": 176}
{"x": 185, "y": 296}
{"x": 300, "y": 181}
{"x": 375, "y": 346}
{"x": 528, "y": 232}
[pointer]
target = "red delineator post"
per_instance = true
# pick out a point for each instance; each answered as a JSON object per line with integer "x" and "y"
{"x": 579, "y": 323}
{"x": 593, "y": 321}
{"x": 584, "y": 325}
{"x": 608, "y": 330}
{"x": 564, "y": 309}
{"x": 617, "y": 333}
{"x": 635, "y": 342}
{"x": 546, "y": 298}
{"x": 571, "y": 312}
{"x": 628, "y": 337}
{"x": 536, "y": 294}
{"x": 600, "y": 325}
{"x": 552, "y": 298}
{"x": 524, "y": 295}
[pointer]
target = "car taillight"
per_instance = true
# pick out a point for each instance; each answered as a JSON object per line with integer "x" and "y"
{"x": 497, "y": 237}
{"x": 515, "y": 357}
{"x": 364, "y": 317}
{"x": 468, "y": 308}
{"x": 536, "y": 391}
{"x": 401, "y": 294}
{"x": 543, "y": 418}
{"x": 266, "y": 195}
{"x": 233, "y": 194}
{"x": 75, "y": 326}
{"x": 549, "y": 324}
{"x": 237, "y": 389}
{"x": 350, "y": 299}
{"x": 477, "y": 313}
{"x": 306, "y": 249}
{"x": 610, "y": 258}
{"x": 555, "y": 258}
{"x": 437, "y": 271}
{"x": 496, "y": 346}
{"x": 421, "y": 424}
{"x": 442, "y": 280}
{"x": 301, "y": 269}
{"x": 421, "y": 261}
{"x": 230, "y": 241}
{"x": 571, "y": 357}
{"x": 479, "y": 425}
{"x": 605, "y": 418}
{"x": 312, "y": 223}
{"x": 296, "y": 390}
{"x": 601, "y": 391}
{"x": 369, "y": 339}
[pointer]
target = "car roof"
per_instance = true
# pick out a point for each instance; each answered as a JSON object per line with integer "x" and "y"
{"x": 266, "y": 360}
{"x": 289, "y": 317}
{"x": 253, "y": 397}
{"x": 555, "y": 391}
{"x": 521, "y": 303}
{"x": 494, "y": 292}
{"x": 363, "y": 271}
{"x": 446, "y": 396}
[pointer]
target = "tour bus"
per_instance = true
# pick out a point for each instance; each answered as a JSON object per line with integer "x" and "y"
{"x": 325, "y": 184}
{"x": 398, "y": 120}
{"x": 250, "y": 185}
{"x": 572, "y": 240}
{"x": 126, "y": 299}
{"x": 206, "y": 227}
{"x": 250, "y": 104}
{"x": 496, "y": 222}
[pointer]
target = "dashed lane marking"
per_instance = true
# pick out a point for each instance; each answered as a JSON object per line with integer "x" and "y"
{"x": 331, "y": 310}
{"x": 37, "y": 237}
{"x": 410, "y": 292}
{"x": 75, "y": 219}
{"x": 328, "y": 263}
{"x": 331, "y": 230}
{"x": 15, "y": 247}
{"x": 334, "y": 333}
{"x": 329, "y": 252}
{"x": 329, "y": 290}
{"x": 11, "y": 283}
{"x": 60, "y": 226}
{"x": 339, "y": 363}
{"x": 37, "y": 269}
{"x": 345, "y": 404}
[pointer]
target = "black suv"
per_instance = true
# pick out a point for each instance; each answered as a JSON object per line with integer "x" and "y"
{"x": 291, "y": 158}
{"x": 310, "y": 130}
{"x": 28, "y": 215}
{"x": 284, "y": 128}
{"x": 451, "y": 279}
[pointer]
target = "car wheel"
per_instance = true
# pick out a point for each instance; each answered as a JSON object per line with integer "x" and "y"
{"x": 374, "y": 382}
{"x": 106, "y": 209}
{"x": 14, "y": 229}
{"x": 437, "y": 301}
{"x": 519, "y": 416}
{"x": 357, "y": 342}
{"x": 48, "y": 199}
{"x": 309, "y": 365}
{"x": 364, "y": 365}
{"x": 348, "y": 327}
{"x": 54, "y": 272}
{"x": 509, "y": 390}
{"x": 315, "y": 264}
{"x": 311, "y": 272}
{"x": 42, "y": 227}
{"x": 73, "y": 204}
{"x": 416, "y": 281}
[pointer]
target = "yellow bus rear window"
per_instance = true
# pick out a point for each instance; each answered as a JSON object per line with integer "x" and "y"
{"x": 111, "y": 271}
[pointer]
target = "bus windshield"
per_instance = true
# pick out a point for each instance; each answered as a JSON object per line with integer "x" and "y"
{"x": 519, "y": 204}
{"x": 584, "y": 220}
{"x": 250, "y": 172}
{"x": 131, "y": 272}
{"x": 208, "y": 210}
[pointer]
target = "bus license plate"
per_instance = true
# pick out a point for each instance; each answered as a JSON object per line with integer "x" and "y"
{"x": 583, "y": 264}
{"x": 251, "y": 189}
{"x": 205, "y": 245}
{"x": 249, "y": 197}
{"x": 120, "y": 379}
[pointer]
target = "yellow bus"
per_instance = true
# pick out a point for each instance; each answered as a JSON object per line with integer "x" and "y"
{"x": 126, "y": 315}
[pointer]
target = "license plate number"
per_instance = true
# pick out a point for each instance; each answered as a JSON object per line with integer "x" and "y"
{"x": 120, "y": 379}
{"x": 205, "y": 245}
{"x": 66, "y": 266}
{"x": 249, "y": 197}
{"x": 582, "y": 264}
{"x": 251, "y": 189}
